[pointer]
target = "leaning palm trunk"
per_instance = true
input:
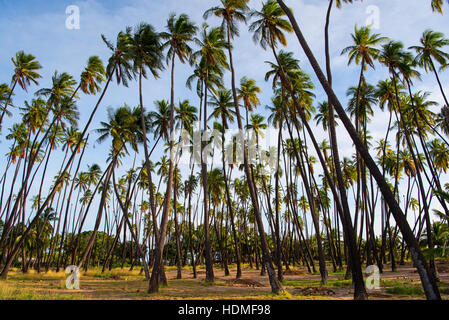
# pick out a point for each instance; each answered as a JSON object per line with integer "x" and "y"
{"x": 438, "y": 80}
{"x": 428, "y": 282}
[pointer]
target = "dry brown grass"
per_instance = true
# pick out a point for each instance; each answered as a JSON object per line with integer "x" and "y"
{"x": 124, "y": 285}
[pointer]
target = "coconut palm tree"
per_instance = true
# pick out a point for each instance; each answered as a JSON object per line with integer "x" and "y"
{"x": 294, "y": 80}
{"x": 180, "y": 31}
{"x": 430, "y": 49}
{"x": 443, "y": 120}
{"x": 269, "y": 29}
{"x": 145, "y": 53}
{"x": 211, "y": 51}
{"x": 25, "y": 73}
{"x": 223, "y": 102}
{"x": 331, "y": 114}
{"x": 362, "y": 52}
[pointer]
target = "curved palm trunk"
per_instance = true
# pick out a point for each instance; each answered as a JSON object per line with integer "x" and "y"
{"x": 427, "y": 280}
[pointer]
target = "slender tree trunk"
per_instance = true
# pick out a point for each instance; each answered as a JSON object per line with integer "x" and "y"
{"x": 276, "y": 287}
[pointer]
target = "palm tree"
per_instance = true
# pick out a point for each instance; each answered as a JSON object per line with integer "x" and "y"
{"x": 443, "y": 120}
{"x": 223, "y": 101}
{"x": 430, "y": 49}
{"x": 231, "y": 12}
{"x": 5, "y": 97}
{"x": 428, "y": 282}
{"x": 248, "y": 92}
{"x": 180, "y": 32}
{"x": 323, "y": 115}
{"x": 331, "y": 114}
{"x": 25, "y": 73}
{"x": 268, "y": 31}
{"x": 269, "y": 27}
{"x": 92, "y": 76}
{"x": 63, "y": 86}
{"x": 400, "y": 63}
{"x": 211, "y": 52}
{"x": 123, "y": 127}
{"x": 145, "y": 53}
{"x": 189, "y": 187}
{"x": 363, "y": 52}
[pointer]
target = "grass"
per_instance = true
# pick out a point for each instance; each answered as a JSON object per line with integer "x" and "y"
{"x": 405, "y": 290}
{"x": 14, "y": 292}
{"x": 124, "y": 284}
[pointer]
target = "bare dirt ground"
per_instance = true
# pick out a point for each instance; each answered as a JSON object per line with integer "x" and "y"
{"x": 298, "y": 284}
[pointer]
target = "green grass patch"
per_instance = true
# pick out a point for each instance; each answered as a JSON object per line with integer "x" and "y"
{"x": 340, "y": 283}
{"x": 405, "y": 290}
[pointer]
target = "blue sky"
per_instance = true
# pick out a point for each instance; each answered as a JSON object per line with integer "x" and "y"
{"x": 38, "y": 27}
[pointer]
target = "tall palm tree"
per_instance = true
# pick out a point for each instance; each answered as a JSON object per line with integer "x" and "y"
{"x": 428, "y": 282}
{"x": 331, "y": 114}
{"x": 211, "y": 51}
{"x": 294, "y": 80}
{"x": 180, "y": 31}
{"x": 145, "y": 53}
{"x": 430, "y": 49}
{"x": 362, "y": 52}
{"x": 62, "y": 88}
{"x": 443, "y": 120}
{"x": 92, "y": 76}
{"x": 223, "y": 102}
{"x": 268, "y": 32}
{"x": 25, "y": 73}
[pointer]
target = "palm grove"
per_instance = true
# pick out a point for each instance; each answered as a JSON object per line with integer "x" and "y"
{"x": 150, "y": 214}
